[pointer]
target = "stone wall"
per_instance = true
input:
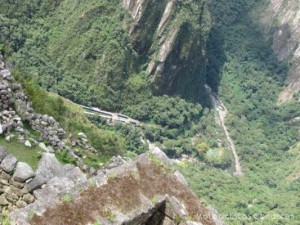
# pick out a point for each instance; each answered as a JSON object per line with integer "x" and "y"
{"x": 16, "y": 110}
{"x": 14, "y": 177}
{"x": 15, "y": 107}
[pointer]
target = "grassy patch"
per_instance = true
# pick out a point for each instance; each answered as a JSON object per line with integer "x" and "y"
{"x": 72, "y": 119}
{"x": 63, "y": 157}
{"x": 21, "y": 152}
{"x": 4, "y": 220}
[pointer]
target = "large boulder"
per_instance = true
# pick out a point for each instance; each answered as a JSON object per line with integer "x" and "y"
{"x": 8, "y": 164}
{"x": 49, "y": 167}
{"x": 56, "y": 188}
{"x": 77, "y": 176}
{"x": 159, "y": 154}
{"x": 43, "y": 147}
{"x": 181, "y": 178}
{"x": 141, "y": 191}
{"x": 23, "y": 172}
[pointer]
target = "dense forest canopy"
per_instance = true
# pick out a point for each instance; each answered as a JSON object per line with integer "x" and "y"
{"x": 82, "y": 51}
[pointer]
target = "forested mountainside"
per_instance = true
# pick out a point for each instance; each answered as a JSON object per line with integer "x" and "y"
{"x": 101, "y": 50}
{"x": 164, "y": 63}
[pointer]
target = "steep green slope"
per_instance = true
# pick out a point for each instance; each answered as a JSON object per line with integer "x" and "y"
{"x": 88, "y": 51}
{"x": 250, "y": 78}
{"x": 97, "y": 53}
{"x": 82, "y": 50}
{"x": 72, "y": 119}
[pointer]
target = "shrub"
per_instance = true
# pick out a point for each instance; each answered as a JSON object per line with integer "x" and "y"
{"x": 218, "y": 157}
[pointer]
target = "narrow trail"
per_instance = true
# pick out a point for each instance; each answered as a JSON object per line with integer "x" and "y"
{"x": 221, "y": 113}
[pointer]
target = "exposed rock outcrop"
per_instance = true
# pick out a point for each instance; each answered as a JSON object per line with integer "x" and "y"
{"x": 173, "y": 34}
{"x": 141, "y": 191}
{"x": 281, "y": 20}
{"x": 52, "y": 181}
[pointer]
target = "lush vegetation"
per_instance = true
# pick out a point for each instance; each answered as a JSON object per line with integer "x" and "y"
{"x": 81, "y": 50}
{"x": 94, "y": 72}
{"x": 72, "y": 119}
{"x": 167, "y": 112}
{"x": 248, "y": 77}
{"x": 250, "y": 199}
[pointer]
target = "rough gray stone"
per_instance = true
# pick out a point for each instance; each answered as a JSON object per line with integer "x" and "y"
{"x": 178, "y": 208}
{"x": 68, "y": 167}
{"x": 115, "y": 162}
{"x": 77, "y": 176}
{"x": 8, "y": 163}
{"x": 27, "y": 144}
{"x": 4, "y": 176}
{"x": 28, "y": 198}
{"x": 5, "y": 73}
{"x": 21, "y": 204}
{"x": 7, "y": 190}
{"x": 181, "y": 178}
{"x": 49, "y": 167}
{"x": 99, "y": 179}
{"x": 36, "y": 183}
{"x": 23, "y": 172}
{"x": 3, "y": 182}
{"x": 3, "y": 153}
{"x": 16, "y": 184}
{"x": 82, "y": 135}
{"x": 43, "y": 146}
{"x": 3, "y": 200}
{"x": 159, "y": 154}
{"x": 56, "y": 187}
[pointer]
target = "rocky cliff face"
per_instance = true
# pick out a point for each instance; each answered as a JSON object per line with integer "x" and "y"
{"x": 173, "y": 34}
{"x": 282, "y": 21}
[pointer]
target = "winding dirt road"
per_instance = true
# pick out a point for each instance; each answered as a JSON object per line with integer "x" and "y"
{"x": 221, "y": 113}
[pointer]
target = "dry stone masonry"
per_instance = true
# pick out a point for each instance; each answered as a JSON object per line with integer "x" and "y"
{"x": 21, "y": 188}
{"x": 14, "y": 177}
{"x": 15, "y": 107}
{"x": 16, "y": 110}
